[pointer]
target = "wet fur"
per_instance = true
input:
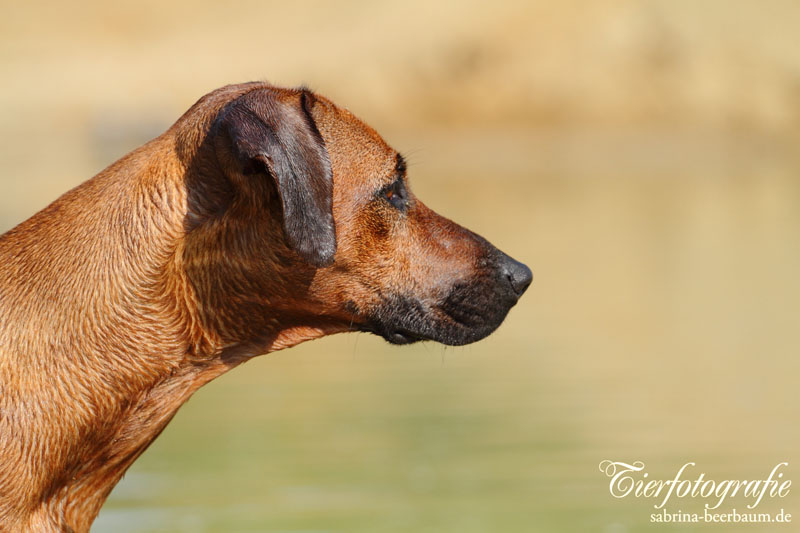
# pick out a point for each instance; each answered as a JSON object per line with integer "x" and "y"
{"x": 195, "y": 252}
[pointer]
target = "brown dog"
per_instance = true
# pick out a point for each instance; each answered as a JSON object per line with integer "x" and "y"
{"x": 263, "y": 218}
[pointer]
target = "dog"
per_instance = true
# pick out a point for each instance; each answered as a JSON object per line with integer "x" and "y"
{"x": 264, "y": 217}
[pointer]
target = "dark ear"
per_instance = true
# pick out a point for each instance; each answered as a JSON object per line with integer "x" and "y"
{"x": 273, "y": 131}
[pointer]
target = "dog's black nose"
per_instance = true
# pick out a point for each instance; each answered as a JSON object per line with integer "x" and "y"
{"x": 517, "y": 274}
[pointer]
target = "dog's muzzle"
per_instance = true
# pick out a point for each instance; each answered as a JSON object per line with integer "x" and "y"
{"x": 470, "y": 310}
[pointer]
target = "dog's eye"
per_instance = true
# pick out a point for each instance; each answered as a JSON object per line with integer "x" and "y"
{"x": 396, "y": 195}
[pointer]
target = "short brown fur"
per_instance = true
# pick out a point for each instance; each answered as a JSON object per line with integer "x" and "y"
{"x": 169, "y": 268}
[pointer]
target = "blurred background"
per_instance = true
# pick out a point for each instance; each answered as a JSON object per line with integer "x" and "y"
{"x": 640, "y": 156}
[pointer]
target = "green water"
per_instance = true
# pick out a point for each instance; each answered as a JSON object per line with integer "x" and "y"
{"x": 661, "y": 327}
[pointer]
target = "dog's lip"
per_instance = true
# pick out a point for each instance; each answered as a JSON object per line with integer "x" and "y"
{"x": 402, "y": 337}
{"x": 454, "y": 329}
{"x": 394, "y": 335}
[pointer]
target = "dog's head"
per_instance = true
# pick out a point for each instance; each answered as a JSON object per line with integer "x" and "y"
{"x": 301, "y": 217}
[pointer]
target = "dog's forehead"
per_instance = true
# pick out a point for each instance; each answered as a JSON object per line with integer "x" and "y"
{"x": 357, "y": 152}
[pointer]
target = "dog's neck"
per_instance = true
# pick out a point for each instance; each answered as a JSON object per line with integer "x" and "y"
{"x": 115, "y": 352}
{"x": 110, "y": 324}
{"x": 99, "y": 359}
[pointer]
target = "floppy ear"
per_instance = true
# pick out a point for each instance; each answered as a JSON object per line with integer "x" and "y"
{"x": 277, "y": 135}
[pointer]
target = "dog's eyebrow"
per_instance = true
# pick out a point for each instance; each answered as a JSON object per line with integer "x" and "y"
{"x": 400, "y": 167}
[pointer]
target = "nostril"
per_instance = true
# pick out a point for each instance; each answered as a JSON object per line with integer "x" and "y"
{"x": 519, "y": 276}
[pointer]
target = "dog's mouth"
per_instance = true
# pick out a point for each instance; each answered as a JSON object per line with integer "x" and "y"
{"x": 400, "y": 337}
{"x": 441, "y": 328}
{"x": 394, "y": 334}
{"x": 455, "y": 321}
